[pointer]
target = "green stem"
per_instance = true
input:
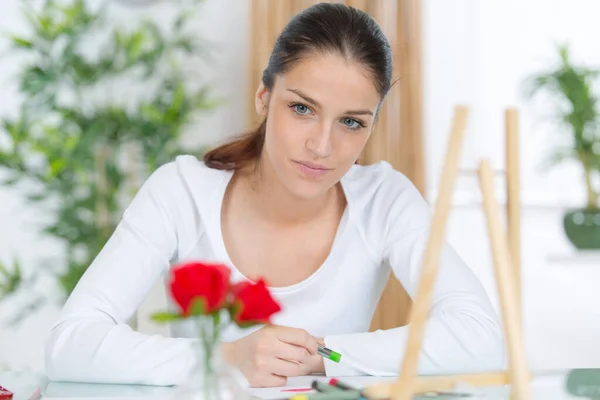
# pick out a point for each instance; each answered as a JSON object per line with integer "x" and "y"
{"x": 209, "y": 341}
{"x": 216, "y": 318}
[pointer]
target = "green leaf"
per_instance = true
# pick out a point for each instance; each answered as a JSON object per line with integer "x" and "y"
{"x": 164, "y": 317}
{"x": 21, "y": 43}
{"x": 176, "y": 104}
{"x": 135, "y": 45}
{"x": 152, "y": 113}
{"x": 35, "y": 80}
{"x": 11, "y": 279}
{"x": 71, "y": 143}
{"x": 37, "y": 197}
{"x": 45, "y": 27}
{"x": 181, "y": 20}
{"x": 12, "y": 181}
{"x": 187, "y": 45}
{"x": 56, "y": 166}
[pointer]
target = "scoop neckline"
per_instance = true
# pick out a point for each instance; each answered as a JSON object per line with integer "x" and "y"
{"x": 222, "y": 254}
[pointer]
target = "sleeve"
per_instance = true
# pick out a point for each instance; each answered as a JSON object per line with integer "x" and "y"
{"x": 91, "y": 341}
{"x": 462, "y": 334}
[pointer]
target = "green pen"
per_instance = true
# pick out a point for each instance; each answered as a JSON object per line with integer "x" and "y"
{"x": 329, "y": 354}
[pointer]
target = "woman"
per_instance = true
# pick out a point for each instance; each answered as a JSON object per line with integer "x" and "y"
{"x": 287, "y": 203}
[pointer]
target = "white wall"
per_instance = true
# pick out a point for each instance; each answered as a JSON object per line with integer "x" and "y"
{"x": 476, "y": 53}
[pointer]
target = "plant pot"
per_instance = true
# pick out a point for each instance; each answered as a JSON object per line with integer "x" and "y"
{"x": 582, "y": 227}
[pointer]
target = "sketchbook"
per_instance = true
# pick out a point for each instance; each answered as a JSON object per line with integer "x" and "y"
{"x": 302, "y": 384}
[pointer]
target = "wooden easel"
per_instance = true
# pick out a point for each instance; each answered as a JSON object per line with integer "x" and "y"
{"x": 518, "y": 375}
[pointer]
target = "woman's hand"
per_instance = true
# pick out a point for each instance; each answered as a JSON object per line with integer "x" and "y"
{"x": 270, "y": 355}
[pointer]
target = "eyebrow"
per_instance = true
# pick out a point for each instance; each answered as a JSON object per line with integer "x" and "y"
{"x": 318, "y": 105}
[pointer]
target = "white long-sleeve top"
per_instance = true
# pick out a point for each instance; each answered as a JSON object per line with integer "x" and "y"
{"x": 176, "y": 217}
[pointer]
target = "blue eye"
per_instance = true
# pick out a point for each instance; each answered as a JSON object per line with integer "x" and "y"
{"x": 352, "y": 123}
{"x": 301, "y": 109}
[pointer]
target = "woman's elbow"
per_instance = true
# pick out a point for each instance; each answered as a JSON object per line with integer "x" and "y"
{"x": 487, "y": 348}
{"x": 63, "y": 361}
{"x": 477, "y": 344}
{"x": 55, "y": 354}
{"x": 55, "y": 370}
{"x": 493, "y": 356}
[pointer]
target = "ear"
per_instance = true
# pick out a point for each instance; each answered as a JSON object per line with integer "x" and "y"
{"x": 261, "y": 100}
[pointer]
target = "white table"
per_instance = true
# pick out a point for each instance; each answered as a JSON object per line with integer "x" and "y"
{"x": 547, "y": 386}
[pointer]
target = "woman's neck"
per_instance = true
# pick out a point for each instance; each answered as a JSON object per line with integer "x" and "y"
{"x": 274, "y": 203}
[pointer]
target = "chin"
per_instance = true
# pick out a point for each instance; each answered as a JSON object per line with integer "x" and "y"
{"x": 306, "y": 189}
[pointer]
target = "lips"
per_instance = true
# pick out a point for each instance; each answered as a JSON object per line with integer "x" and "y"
{"x": 311, "y": 170}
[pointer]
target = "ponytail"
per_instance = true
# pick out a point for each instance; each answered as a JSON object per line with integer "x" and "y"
{"x": 238, "y": 152}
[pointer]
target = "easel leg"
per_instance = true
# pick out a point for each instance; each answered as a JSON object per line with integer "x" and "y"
{"x": 405, "y": 386}
{"x": 518, "y": 371}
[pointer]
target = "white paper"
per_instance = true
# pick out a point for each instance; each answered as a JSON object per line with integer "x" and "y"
{"x": 305, "y": 382}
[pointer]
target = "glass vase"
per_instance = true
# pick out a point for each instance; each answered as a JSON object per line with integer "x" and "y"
{"x": 212, "y": 378}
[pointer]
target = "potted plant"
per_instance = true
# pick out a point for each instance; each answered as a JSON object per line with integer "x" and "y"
{"x": 572, "y": 87}
{"x": 76, "y": 147}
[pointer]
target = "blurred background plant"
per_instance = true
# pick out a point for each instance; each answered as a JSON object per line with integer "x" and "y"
{"x": 85, "y": 138}
{"x": 572, "y": 87}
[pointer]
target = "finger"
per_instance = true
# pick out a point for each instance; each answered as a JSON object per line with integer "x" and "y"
{"x": 290, "y": 352}
{"x": 268, "y": 380}
{"x": 286, "y": 368}
{"x": 298, "y": 337}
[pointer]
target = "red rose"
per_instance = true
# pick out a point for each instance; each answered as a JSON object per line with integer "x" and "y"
{"x": 253, "y": 303}
{"x": 209, "y": 282}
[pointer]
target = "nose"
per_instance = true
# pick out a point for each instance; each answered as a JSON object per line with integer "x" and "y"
{"x": 319, "y": 143}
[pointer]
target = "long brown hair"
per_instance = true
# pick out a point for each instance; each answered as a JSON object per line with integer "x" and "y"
{"x": 322, "y": 28}
{"x": 239, "y": 152}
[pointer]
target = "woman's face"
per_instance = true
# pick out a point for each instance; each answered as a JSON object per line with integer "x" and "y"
{"x": 320, "y": 116}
